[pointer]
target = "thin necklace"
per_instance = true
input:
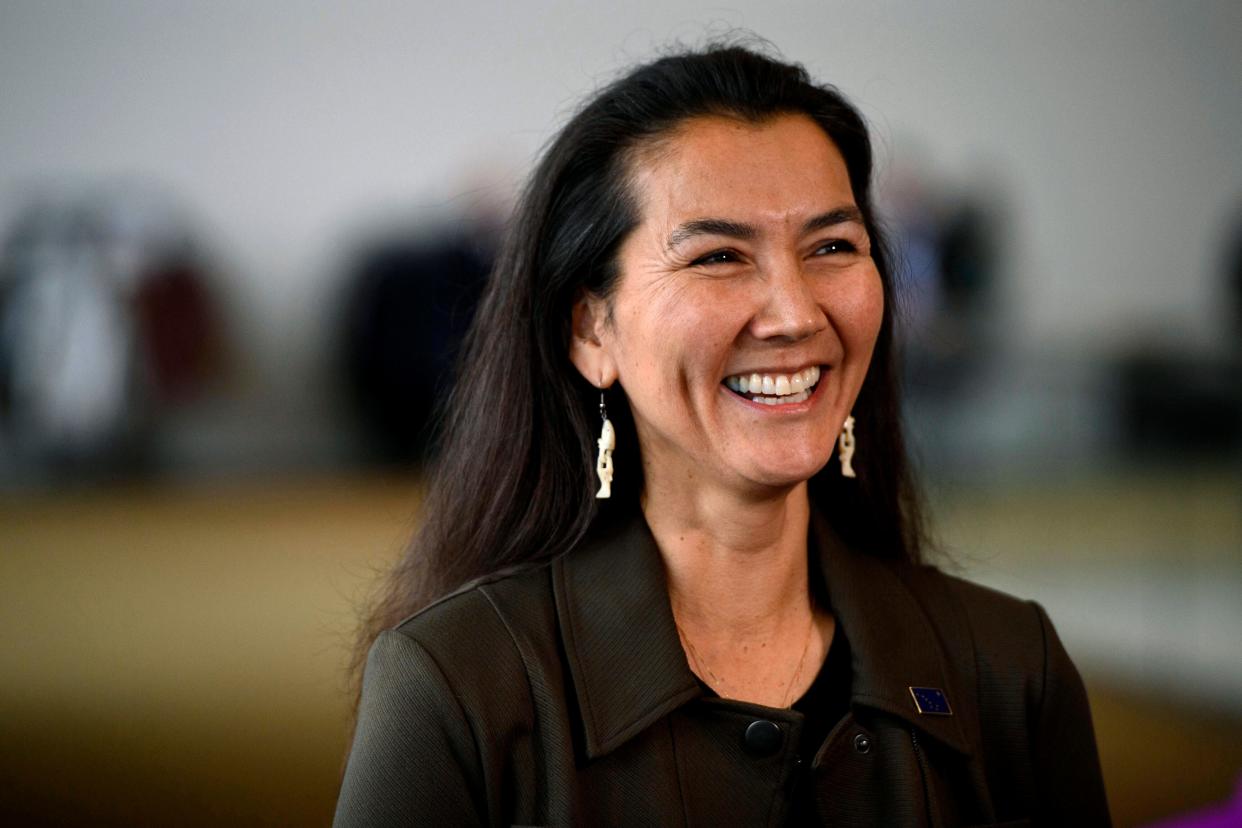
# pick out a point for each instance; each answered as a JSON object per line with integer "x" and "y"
{"x": 701, "y": 668}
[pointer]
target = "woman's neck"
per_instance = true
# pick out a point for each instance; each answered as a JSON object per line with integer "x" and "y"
{"x": 738, "y": 585}
{"x": 737, "y": 567}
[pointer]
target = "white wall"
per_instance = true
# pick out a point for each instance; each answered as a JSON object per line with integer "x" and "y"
{"x": 283, "y": 125}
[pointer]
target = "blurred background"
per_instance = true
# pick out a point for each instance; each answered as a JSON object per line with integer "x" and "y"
{"x": 239, "y": 242}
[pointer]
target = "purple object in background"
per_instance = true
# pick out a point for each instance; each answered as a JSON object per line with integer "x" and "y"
{"x": 1228, "y": 815}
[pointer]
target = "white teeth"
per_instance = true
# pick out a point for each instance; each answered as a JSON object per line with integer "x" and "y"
{"x": 776, "y": 389}
{"x": 801, "y": 396}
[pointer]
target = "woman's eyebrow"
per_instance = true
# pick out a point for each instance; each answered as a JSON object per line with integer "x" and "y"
{"x": 841, "y": 215}
{"x": 747, "y": 232}
{"x": 711, "y": 227}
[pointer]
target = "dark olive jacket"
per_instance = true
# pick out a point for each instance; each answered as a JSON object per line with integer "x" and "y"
{"x": 560, "y": 695}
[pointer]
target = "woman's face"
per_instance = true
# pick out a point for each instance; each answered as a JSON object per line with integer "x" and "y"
{"x": 746, "y": 308}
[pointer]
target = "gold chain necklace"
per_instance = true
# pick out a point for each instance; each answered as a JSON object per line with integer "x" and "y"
{"x": 700, "y": 668}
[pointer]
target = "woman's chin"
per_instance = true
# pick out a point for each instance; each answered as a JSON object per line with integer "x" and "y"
{"x": 783, "y": 476}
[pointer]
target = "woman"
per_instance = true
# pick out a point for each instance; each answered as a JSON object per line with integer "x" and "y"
{"x": 742, "y": 632}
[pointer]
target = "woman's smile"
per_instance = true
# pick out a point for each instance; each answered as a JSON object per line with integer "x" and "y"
{"x": 774, "y": 388}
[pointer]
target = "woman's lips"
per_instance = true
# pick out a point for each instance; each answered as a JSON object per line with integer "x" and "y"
{"x": 775, "y": 389}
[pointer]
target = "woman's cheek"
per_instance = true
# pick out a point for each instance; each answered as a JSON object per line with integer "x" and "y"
{"x": 868, "y": 307}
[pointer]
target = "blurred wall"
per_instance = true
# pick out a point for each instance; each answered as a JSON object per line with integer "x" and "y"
{"x": 286, "y": 127}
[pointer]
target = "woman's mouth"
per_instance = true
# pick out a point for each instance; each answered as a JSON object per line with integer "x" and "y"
{"x": 775, "y": 389}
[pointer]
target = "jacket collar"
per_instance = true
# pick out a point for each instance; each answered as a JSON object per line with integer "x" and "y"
{"x": 629, "y": 669}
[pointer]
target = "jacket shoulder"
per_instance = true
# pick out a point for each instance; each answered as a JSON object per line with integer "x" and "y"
{"x": 999, "y": 627}
{"x": 476, "y": 633}
{"x": 1011, "y": 636}
{"x": 1002, "y": 625}
{"x": 446, "y": 697}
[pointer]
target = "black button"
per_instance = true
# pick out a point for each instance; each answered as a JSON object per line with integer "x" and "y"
{"x": 862, "y": 743}
{"x": 763, "y": 738}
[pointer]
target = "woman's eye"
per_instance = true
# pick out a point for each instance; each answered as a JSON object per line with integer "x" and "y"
{"x": 716, "y": 257}
{"x": 836, "y": 246}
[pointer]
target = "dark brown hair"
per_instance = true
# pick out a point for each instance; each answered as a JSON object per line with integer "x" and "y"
{"x": 514, "y": 481}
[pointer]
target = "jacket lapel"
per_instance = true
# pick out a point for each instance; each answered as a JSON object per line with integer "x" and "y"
{"x": 620, "y": 640}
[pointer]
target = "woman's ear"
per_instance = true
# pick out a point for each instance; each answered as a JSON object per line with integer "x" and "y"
{"x": 588, "y": 348}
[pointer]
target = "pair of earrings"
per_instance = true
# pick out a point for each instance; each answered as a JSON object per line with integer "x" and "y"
{"x": 607, "y": 442}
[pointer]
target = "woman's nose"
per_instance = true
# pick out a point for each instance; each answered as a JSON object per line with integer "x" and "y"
{"x": 789, "y": 310}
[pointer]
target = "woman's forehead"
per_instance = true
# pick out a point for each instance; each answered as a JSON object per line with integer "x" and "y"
{"x": 781, "y": 170}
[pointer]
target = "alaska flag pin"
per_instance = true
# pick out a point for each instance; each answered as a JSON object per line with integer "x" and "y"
{"x": 930, "y": 701}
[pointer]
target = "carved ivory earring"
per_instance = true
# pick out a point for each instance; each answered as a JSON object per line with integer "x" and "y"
{"x": 607, "y": 442}
{"x": 845, "y": 447}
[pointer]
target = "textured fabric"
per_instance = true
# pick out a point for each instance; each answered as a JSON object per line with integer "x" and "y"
{"x": 560, "y": 695}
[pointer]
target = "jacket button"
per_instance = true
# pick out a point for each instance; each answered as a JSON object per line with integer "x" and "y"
{"x": 763, "y": 738}
{"x": 862, "y": 743}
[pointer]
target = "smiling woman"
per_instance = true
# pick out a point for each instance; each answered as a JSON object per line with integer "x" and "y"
{"x": 744, "y": 633}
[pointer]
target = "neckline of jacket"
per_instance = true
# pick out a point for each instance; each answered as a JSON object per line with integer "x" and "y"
{"x": 629, "y": 669}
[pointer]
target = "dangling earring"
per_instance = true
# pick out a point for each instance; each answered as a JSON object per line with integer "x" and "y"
{"x": 845, "y": 447}
{"x": 607, "y": 442}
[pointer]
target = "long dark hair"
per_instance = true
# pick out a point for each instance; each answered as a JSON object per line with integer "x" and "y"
{"x": 514, "y": 482}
